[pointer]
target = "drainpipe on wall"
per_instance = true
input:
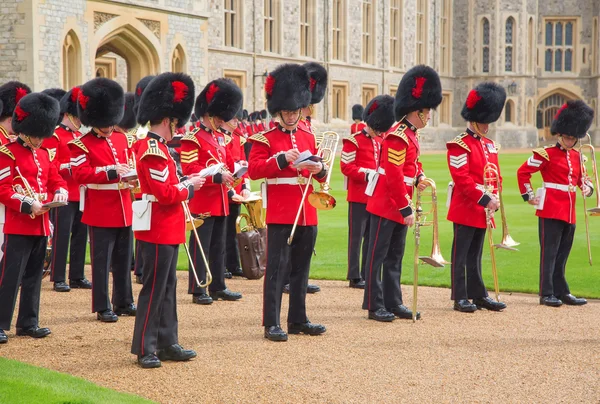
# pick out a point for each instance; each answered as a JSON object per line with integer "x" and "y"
{"x": 254, "y": 56}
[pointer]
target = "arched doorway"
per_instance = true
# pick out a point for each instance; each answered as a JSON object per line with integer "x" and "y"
{"x": 546, "y": 110}
{"x": 71, "y": 68}
{"x": 126, "y": 55}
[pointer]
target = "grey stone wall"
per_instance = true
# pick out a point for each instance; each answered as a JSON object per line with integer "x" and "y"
{"x": 196, "y": 52}
{"x": 10, "y": 65}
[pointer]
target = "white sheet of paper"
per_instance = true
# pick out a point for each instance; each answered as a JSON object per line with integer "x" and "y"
{"x": 211, "y": 170}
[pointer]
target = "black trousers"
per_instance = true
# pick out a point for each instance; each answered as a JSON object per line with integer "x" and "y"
{"x": 232, "y": 260}
{"x": 70, "y": 235}
{"x": 384, "y": 264}
{"x": 110, "y": 248}
{"x": 212, "y": 239}
{"x": 467, "y": 248}
{"x": 556, "y": 240}
{"x": 358, "y": 239}
{"x": 287, "y": 262}
{"x": 139, "y": 259}
{"x": 22, "y": 265}
{"x": 156, "y": 317}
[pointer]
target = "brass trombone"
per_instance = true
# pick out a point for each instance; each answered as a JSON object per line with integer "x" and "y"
{"x": 190, "y": 219}
{"x": 507, "y": 242}
{"x": 435, "y": 259}
{"x": 491, "y": 176}
{"x": 595, "y": 211}
{"x": 213, "y": 160}
{"x": 321, "y": 199}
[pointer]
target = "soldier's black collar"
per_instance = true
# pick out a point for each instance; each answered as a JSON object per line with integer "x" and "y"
{"x": 475, "y": 135}
{"x": 22, "y": 143}
{"x": 225, "y": 131}
{"x": 410, "y": 125}
{"x": 157, "y": 137}
{"x": 65, "y": 127}
{"x": 291, "y": 132}
{"x": 205, "y": 128}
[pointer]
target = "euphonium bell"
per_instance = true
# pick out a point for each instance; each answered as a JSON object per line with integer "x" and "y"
{"x": 193, "y": 222}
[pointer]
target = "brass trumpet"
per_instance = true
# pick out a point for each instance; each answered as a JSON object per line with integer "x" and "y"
{"x": 28, "y": 191}
{"x": 190, "y": 219}
{"x": 133, "y": 166}
{"x": 595, "y": 211}
{"x": 321, "y": 199}
{"x": 435, "y": 259}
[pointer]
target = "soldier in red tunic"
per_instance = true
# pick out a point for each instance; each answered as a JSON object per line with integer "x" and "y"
{"x": 560, "y": 168}
{"x": 359, "y": 160}
{"x": 98, "y": 160}
{"x": 28, "y": 179}
{"x": 272, "y": 157}
{"x": 10, "y": 94}
{"x": 390, "y": 206}
{"x": 234, "y": 141}
{"x": 166, "y": 104}
{"x": 218, "y": 102}
{"x": 468, "y": 154}
{"x": 357, "y": 113}
{"x": 70, "y": 234}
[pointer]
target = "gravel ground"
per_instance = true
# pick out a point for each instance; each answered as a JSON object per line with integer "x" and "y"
{"x": 528, "y": 353}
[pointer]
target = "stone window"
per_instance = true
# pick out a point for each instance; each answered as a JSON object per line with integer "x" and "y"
{"x": 307, "y": 27}
{"x": 509, "y": 44}
{"x": 368, "y": 31}
{"x": 339, "y": 30}
{"x": 531, "y": 44}
{"x": 446, "y": 109}
{"x": 395, "y": 33}
{"x": 238, "y": 77}
{"x": 594, "y": 48}
{"x": 446, "y": 34}
{"x": 233, "y": 23}
{"x": 271, "y": 20}
{"x": 509, "y": 111}
{"x": 393, "y": 90}
{"x": 339, "y": 98}
{"x": 546, "y": 110}
{"x": 485, "y": 45}
{"x": 71, "y": 62}
{"x": 422, "y": 31}
{"x": 178, "y": 63}
{"x": 559, "y": 42}
{"x": 530, "y": 116}
{"x": 369, "y": 91}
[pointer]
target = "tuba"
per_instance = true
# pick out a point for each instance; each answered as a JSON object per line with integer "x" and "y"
{"x": 255, "y": 217}
{"x": 595, "y": 211}
{"x": 435, "y": 259}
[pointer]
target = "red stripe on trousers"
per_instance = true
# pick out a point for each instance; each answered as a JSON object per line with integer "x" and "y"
{"x": 542, "y": 259}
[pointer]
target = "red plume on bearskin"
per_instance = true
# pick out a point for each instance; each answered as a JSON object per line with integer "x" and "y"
{"x": 101, "y": 103}
{"x": 82, "y": 99}
{"x": 180, "y": 90}
{"x": 313, "y": 83}
{"x": 210, "y": 94}
{"x": 269, "y": 84}
{"x": 484, "y": 103}
{"x": 573, "y": 119}
{"x": 10, "y": 95}
{"x": 139, "y": 91}
{"x": 20, "y": 114}
{"x": 75, "y": 93}
{"x": 472, "y": 99}
{"x": 417, "y": 90}
{"x": 68, "y": 102}
{"x": 318, "y": 81}
{"x": 379, "y": 113}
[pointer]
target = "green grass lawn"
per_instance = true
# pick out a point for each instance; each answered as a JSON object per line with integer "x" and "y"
{"x": 21, "y": 383}
{"x": 517, "y": 270}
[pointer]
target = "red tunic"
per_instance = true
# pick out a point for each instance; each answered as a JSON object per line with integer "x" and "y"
{"x": 158, "y": 177}
{"x": 197, "y": 148}
{"x": 468, "y": 153}
{"x": 283, "y": 200}
{"x": 235, "y": 148}
{"x": 93, "y": 161}
{"x": 63, "y": 159}
{"x": 561, "y": 173}
{"x": 42, "y": 176}
{"x": 359, "y": 153}
{"x": 357, "y": 127}
{"x": 399, "y": 170}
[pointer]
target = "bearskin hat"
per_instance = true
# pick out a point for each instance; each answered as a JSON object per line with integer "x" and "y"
{"x": 10, "y": 94}
{"x": 287, "y": 88}
{"x": 139, "y": 90}
{"x": 318, "y": 81}
{"x": 573, "y": 119}
{"x": 100, "y": 103}
{"x": 379, "y": 113}
{"x": 169, "y": 95}
{"x": 129, "y": 119}
{"x": 239, "y": 114}
{"x": 420, "y": 88}
{"x": 263, "y": 114}
{"x": 68, "y": 103}
{"x": 245, "y": 114}
{"x": 1, "y": 106}
{"x": 57, "y": 94}
{"x": 357, "y": 112}
{"x": 484, "y": 103}
{"x": 35, "y": 115}
{"x": 221, "y": 98}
